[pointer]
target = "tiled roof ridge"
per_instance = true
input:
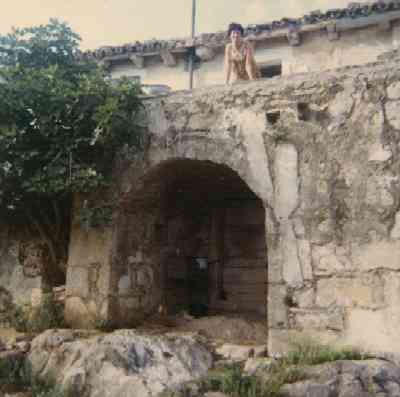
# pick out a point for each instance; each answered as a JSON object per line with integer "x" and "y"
{"x": 353, "y": 10}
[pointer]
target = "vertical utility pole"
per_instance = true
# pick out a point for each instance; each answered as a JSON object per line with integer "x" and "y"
{"x": 192, "y": 50}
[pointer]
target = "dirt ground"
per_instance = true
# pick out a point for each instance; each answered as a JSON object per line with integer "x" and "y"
{"x": 230, "y": 329}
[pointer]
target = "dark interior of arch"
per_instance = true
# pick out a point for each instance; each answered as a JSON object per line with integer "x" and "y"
{"x": 211, "y": 232}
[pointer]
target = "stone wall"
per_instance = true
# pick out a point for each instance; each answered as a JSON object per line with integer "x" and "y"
{"x": 21, "y": 261}
{"x": 321, "y": 153}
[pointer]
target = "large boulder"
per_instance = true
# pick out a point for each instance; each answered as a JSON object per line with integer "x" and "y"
{"x": 124, "y": 363}
{"x": 367, "y": 378}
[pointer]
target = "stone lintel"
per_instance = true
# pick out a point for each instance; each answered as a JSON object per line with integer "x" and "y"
{"x": 137, "y": 60}
{"x": 168, "y": 58}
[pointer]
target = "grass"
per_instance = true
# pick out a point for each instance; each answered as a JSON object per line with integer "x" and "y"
{"x": 231, "y": 380}
{"x": 310, "y": 352}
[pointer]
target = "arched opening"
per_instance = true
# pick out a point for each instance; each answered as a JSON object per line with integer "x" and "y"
{"x": 209, "y": 230}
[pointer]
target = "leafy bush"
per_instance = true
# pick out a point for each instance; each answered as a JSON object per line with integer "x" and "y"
{"x": 49, "y": 314}
{"x": 18, "y": 317}
{"x": 10, "y": 371}
{"x": 18, "y": 376}
{"x": 103, "y": 325}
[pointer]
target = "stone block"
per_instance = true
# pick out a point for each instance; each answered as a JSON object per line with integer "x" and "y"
{"x": 304, "y": 252}
{"x": 373, "y": 330}
{"x": 393, "y": 91}
{"x": 365, "y": 291}
{"x": 77, "y": 282}
{"x": 124, "y": 285}
{"x": 77, "y": 313}
{"x": 286, "y": 180}
{"x": 328, "y": 261}
{"x": 332, "y": 319}
{"x": 391, "y": 290}
{"x": 291, "y": 265}
{"x": 305, "y": 297}
{"x": 377, "y": 255}
{"x": 378, "y": 152}
{"x": 395, "y": 232}
{"x": 145, "y": 277}
{"x": 342, "y": 104}
{"x": 280, "y": 341}
{"x": 277, "y": 310}
{"x": 393, "y": 114}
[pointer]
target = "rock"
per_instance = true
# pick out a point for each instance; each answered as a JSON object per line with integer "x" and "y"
{"x": 256, "y": 364}
{"x": 120, "y": 364}
{"x": 24, "y": 346}
{"x": 24, "y": 338}
{"x": 367, "y": 378}
{"x": 59, "y": 293}
{"x": 240, "y": 352}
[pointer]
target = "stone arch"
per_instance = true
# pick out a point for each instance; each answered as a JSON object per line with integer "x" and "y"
{"x": 196, "y": 218}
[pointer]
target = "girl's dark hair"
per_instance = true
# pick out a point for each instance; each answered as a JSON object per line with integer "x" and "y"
{"x": 235, "y": 27}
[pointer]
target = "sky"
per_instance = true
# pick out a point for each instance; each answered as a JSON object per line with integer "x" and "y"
{"x": 115, "y": 22}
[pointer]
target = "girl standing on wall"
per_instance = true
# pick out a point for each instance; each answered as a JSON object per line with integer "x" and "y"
{"x": 239, "y": 57}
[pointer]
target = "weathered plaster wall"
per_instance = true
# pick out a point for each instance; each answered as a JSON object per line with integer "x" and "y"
{"x": 20, "y": 269}
{"x": 88, "y": 273}
{"x": 321, "y": 151}
{"x": 315, "y": 53}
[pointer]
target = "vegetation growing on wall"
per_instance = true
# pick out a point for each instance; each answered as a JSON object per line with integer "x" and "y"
{"x": 61, "y": 124}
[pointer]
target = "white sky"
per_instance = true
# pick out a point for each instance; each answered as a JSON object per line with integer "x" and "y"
{"x": 113, "y": 22}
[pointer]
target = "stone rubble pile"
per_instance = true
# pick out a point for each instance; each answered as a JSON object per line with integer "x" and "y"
{"x": 128, "y": 364}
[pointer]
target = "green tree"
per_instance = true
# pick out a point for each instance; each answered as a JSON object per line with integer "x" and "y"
{"x": 62, "y": 122}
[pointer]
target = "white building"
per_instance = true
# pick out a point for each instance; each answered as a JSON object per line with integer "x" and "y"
{"x": 318, "y": 41}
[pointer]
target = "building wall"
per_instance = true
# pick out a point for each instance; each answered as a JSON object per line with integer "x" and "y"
{"x": 316, "y": 53}
{"x": 321, "y": 153}
{"x": 20, "y": 270}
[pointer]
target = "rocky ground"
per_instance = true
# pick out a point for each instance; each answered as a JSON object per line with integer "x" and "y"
{"x": 187, "y": 361}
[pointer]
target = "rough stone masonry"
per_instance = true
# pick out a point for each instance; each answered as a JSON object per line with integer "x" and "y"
{"x": 284, "y": 193}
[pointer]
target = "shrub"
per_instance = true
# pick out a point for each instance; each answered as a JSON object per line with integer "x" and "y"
{"x": 103, "y": 325}
{"x": 18, "y": 317}
{"x": 20, "y": 376}
{"x": 49, "y": 314}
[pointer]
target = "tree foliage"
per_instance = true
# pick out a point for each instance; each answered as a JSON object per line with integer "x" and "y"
{"x": 62, "y": 122}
